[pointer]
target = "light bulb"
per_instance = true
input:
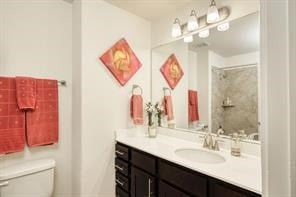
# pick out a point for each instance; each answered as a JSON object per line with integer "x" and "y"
{"x": 204, "y": 33}
{"x": 213, "y": 13}
{"x": 223, "y": 27}
{"x": 188, "y": 39}
{"x": 176, "y": 29}
{"x": 192, "y": 23}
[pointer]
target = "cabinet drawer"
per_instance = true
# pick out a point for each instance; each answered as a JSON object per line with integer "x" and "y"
{"x": 122, "y": 151}
{"x": 121, "y": 193}
{"x": 143, "y": 161}
{"x": 122, "y": 181}
{"x": 122, "y": 166}
{"x": 165, "y": 190}
{"x": 189, "y": 181}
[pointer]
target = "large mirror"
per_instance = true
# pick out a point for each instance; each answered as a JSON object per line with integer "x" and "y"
{"x": 219, "y": 84}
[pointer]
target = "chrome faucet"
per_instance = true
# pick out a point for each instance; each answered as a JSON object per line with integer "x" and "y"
{"x": 209, "y": 141}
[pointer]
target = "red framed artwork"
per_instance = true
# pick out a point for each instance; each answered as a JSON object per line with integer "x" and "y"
{"x": 172, "y": 71}
{"x": 121, "y": 61}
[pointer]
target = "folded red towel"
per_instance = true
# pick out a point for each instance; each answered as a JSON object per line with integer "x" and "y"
{"x": 168, "y": 107}
{"x": 26, "y": 92}
{"x": 43, "y": 122}
{"x": 136, "y": 109}
{"x": 193, "y": 114}
{"x": 12, "y": 120}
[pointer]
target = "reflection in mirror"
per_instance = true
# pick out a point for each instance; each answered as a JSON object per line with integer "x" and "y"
{"x": 219, "y": 86}
{"x": 235, "y": 100}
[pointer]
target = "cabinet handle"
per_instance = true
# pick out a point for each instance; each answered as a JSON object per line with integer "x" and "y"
{"x": 118, "y": 152}
{"x": 149, "y": 188}
{"x": 3, "y": 184}
{"x": 119, "y": 182}
{"x": 119, "y": 168}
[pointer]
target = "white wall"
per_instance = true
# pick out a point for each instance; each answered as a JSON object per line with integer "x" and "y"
{"x": 243, "y": 59}
{"x": 276, "y": 131}
{"x": 203, "y": 85}
{"x": 76, "y": 101}
{"x": 216, "y": 60}
{"x": 36, "y": 40}
{"x": 237, "y": 60}
{"x": 104, "y": 103}
{"x": 292, "y": 71}
{"x": 161, "y": 28}
{"x": 192, "y": 70}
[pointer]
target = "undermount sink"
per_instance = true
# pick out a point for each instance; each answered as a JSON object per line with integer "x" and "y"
{"x": 199, "y": 155}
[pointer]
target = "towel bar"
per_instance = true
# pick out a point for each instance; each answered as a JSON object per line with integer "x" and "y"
{"x": 62, "y": 83}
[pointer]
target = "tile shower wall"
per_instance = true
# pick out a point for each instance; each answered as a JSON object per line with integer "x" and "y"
{"x": 241, "y": 86}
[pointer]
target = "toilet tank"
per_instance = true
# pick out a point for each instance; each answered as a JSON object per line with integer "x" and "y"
{"x": 30, "y": 179}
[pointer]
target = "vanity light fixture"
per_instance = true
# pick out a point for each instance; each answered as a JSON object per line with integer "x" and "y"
{"x": 213, "y": 13}
{"x": 195, "y": 24}
{"x": 188, "y": 39}
{"x": 192, "y": 21}
{"x": 223, "y": 27}
{"x": 204, "y": 33}
{"x": 176, "y": 29}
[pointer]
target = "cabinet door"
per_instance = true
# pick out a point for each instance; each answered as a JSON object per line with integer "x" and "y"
{"x": 165, "y": 190}
{"x": 221, "y": 189}
{"x": 142, "y": 184}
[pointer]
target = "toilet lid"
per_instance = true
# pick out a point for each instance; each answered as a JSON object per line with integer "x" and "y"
{"x": 26, "y": 168}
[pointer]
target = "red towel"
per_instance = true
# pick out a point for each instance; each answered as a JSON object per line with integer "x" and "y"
{"x": 193, "y": 114}
{"x": 168, "y": 107}
{"x": 43, "y": 122}
{"x": 26, "y": 92}
{"x": 136, "y": 109}
{"x": 12, "y": 120}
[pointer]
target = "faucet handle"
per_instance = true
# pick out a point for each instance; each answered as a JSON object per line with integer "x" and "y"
{"x": 205, "y": 144}
{"x": 204, "y": 128}
{"x": 216, "y": 146}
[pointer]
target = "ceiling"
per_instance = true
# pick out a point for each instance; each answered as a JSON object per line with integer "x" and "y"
{"x": 243, "y": 36}
{"x": 152, "y": 9}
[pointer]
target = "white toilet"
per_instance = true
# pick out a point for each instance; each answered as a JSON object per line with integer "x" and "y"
{"x": 30, "y": 179}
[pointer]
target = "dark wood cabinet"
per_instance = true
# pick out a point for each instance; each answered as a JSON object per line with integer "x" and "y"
{"x": 190, "y": 181}
{"x": 121, "y": 193}
{"x": 219, "y": 188}
{"x": 142, "y": 183}
{"x": 143, "y": 161}
{"x": 140, "y": 174}
{"x": 165, "y": 190}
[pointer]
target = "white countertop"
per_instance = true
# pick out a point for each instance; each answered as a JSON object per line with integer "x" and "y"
{"x": 243, "y": 171}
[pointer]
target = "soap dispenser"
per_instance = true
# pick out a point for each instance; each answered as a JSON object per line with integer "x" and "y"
{"x": 235, "y": 145}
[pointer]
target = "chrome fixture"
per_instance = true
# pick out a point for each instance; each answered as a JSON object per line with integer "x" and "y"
{"x": 223, "y": 27}
{"x": 213, "y": 13}
{"x": 166, "y": 90}
{"x": 135, "y": 87}
{"x": 200, "y": 24}
{"x": 192, "y": 23}
{"x": 176, "y": 29}
{"x": 209, "y": 141}
{"x": 62, "y": 83}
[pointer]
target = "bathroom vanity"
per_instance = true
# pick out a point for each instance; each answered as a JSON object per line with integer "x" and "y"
{"x": 152, "y": 167}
